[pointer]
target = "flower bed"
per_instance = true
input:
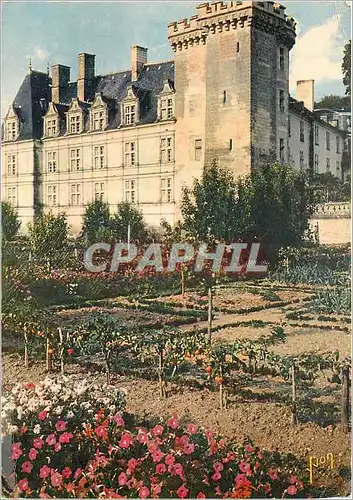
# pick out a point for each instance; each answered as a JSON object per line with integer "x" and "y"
{"x": 70, "y": 440}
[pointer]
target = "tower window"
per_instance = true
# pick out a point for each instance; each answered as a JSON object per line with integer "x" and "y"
{"x": 281, "y": 101}
{"x": 224, "y": 96}
{"x": 281, "y": 58}
{"x": 230, "y": 144}
{"x": 301, "y": 130}
{"x": 238, "y": 47}
{"x": 198, "y": 149}
{"x": 281, "y": 149}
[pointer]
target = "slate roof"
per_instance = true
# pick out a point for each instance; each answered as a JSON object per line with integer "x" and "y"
{"x": 113, "y": 87}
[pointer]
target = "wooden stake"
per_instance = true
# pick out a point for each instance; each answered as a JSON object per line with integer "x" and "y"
{"x": 182, "y": 282}
{"x": 345, "y": 400}
{"x": 294, "y": 397}
{"x": 221, "y": 389}
{"x": 209, "y": 326}
{"x": 61, "y": 351}
{"x": 47, "y": 356}
{"x": 160, "y": 374}
{"x": 26, "y": 348}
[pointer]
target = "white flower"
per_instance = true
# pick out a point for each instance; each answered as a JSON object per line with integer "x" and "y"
{"x": 59, "y": 410}
{"x": 70, "y": 414}
{"x": 13, "y": 429}
{"x": 36, "y": 429}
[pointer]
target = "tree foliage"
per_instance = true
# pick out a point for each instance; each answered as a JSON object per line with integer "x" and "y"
{"x": 346, "y": 67}
{"x": 10, "y": 221}
{"x": 48, "y": 238}
{"x": 128, "y": 214}
{"x": 327, "y": 187}
{"x": 96, "y": 222}
{"x": 334, "y": 102}
{"x": 271, "y": 205}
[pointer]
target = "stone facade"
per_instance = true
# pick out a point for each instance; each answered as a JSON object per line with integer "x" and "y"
{"x": 142, "y": 134}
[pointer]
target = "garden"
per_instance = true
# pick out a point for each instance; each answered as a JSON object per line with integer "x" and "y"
{"x": 174, "y": 384}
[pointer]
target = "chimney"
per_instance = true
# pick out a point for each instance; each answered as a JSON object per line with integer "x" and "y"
{"x": 138, "y": 59}
{"x": 60, "y": 78}
{"x": 305, "y": 93}
{"x": 85, "y": 81}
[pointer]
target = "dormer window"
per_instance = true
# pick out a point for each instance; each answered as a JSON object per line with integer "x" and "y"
{"x": 130, "y": 107}
{"x": 51, "y": 121}
{"x": 166, "y": 102}
{"x": 11, "y": 125}
{"x": 75, "y": 124}
{"x": 51, "y": 127}
{"x": 74, "y": 118}
{"x": 99, "y": 114}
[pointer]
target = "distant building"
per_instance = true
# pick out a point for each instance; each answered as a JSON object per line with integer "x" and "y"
{"x": 142, "y": 133}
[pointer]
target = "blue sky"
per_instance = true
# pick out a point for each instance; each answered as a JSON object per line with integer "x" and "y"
{"x": 57, "y": 32}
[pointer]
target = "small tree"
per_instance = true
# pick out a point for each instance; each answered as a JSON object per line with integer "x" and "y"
{"x": 346, "y": 67}
{"x": 48, "y": 239}
{"x": 96, "y": 222}
{"x": 10, "y": 221}
{"x": 127, "y": 215}
{"x": 209, "y": 207}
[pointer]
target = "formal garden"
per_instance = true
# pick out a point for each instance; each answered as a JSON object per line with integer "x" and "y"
{"x": 178, "y": 384}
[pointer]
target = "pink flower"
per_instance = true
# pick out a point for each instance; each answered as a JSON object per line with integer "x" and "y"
{"x": 44, "y": 471}
{"x": 160, "y": 469}
{"x": 292, "y": 490}
{"x": 178, "y": 469}
{"x": 192, "y": 429}
{"x": 27, "y": 467}
{"x": 240, "y": 480}
{"x": 122, "y": 479}
{"x": 169, "y": 459}
{"x": 57, "y": 447}
{"x": 56, "y": 479}
{"x": 144, "y": 492}
{"x": 249, "y": 448}
{"x": 244, "y": 467}
{"x": 43, "y": 415}
{"x": 118, "y": 419}
{"x": 38, "y": 443}
{"x": 156, "y": 490}
{"x": 216, "y": 476}
{"x": 32, "y": 454}
{"x": 157, "y": 456}
{"x": 273, "y": 474}
{"x": 51, "y": 439}
{"x": 125, "y": 441}
{"x": 65, "y": 437}
{"x": 189, "y": 448}
{"x": 200, "y": 495}
{"x": 70, "y": 351}
{"x": 23, "y": 485}
{"x": 142, "y": 437}
{"x": 101, "y": 431}
{"x": 60, "y": 425}
{"x": 218, "y": 467}
{"x": 16, "y": 451}
{"x": 78, "y": 472}
{"x": 182, "y": 491}
{"x": 173, "y": 422}
{"x": 30, "y": 386}
{"x": 66, "y": 472}
{"x": 157, "y": 430}
{"x": 293, "y": 479}
{"x": 132, "y": 463}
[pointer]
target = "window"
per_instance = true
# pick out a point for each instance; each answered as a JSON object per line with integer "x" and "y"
{"x": 281, "y": 58}
{"x": 281, "y": 101}
{"x": 51, "y": 195}
{"x": 338, "y": 145}
{"x": 75, "y": 194}
{"x": 301, "y": 131}
{"x": 230, "y": 144}
{"x": 316, "y": 134}
{"x": 198, "y": 149}
{"x": 301, "y": 161}
{"x": 130, "y": 154}
{"x": 11, "y": 165}
{"x": 328, "y": 141}
{"x": 289, "y": 127}
{"x": 99, "y": 190}
{"x": 281, "y": 149}
{"x": 12, "y": 195}
{"x": 238, "y": 47}
{"x": 99, "y": 156}
{"x": 75, "y": 124}
{"x": 338, "y": 168}
{"x": 75, "y": 159}
{"x": 130, "y": 192}
{"x": 51, "y": 161}
{"x": 224, "y": 96}
{"x": 129, "y": 114}
{"x": 316, "y": 163}
{"x": 51, "y": 127}
{"x": 166, "y": 190}
{"x": 328, "y": 165}
{"x": 11, "y": 130}
{"x": 98, "y": 120}
{"x": 167, "y": 108}
{"x": 166, "y": 149}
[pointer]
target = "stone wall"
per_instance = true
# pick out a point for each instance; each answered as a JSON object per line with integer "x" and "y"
{"x": 332, "y": 223}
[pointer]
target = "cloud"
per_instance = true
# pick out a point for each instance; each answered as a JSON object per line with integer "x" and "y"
{"x": 41, "y": 54}
{"x": 318, "y": 54}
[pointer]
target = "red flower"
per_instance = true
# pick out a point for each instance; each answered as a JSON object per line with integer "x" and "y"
{"x": 273, "y": 474}
{"x": 60, "y": 425}
{"x": 66, "y": 472}
{"x": 189, "y": 448}
{"x": 132, "y": 463}
{"x": 101, "y": 431}
{"x": 169, "y": 459}
{"x": 173, "y": 422}
{"x": 160, "y": 469}
{"x": 43, "y": 415}
{"x": 118, "y": 419}
{"x": 65, "y": 437}
{"x": 125, "y": 441}
{"x": 144, "y": 492}
{"x": 16, "y": 451}
{"x": 244, "y": 467}
{"x": 201, "y": 495}
{"x": 70, "y": 351}
{"x": 157, "y": 430}
{"x": 23, "y": 485}
{"x": 32, "y": 454}
{"x": 44, "y": 471}
{"x": 38, "y": 443}
{"x": 56, "y": 479}
{"x": 122, "y": 479}
{"x": 182, "y": 491}
{"x": 192, "y": 429}
{"x": 157, "y": 456}
{"x": 51, "y": 439}
{"x": 27, "y": 467}
{"x": 30, "y": 386}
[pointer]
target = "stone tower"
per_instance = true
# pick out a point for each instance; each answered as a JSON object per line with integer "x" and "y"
{"x": 231, "y": 80}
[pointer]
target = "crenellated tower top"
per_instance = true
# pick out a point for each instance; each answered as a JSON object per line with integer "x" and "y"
{"x": 218, "y": 16}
